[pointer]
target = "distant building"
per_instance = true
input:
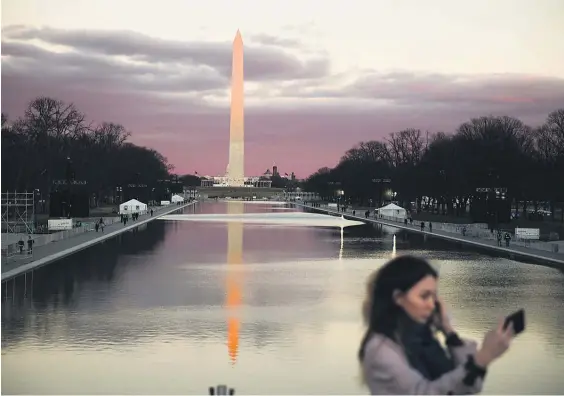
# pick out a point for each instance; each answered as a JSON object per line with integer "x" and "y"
{"x": 224, "y": 181}
{"x": 300, "y": 195}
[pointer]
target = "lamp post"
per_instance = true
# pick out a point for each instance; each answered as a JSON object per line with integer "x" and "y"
{"x": 119, "y": 191}
{"x": 442, "y": 172}
{"x": 332, "y": 183}
{"x": 341, "y": 194}
{"x": 36, "y": 199}
{"x": 69, "y": 176}
{"x": 492, "y": 196}
{"x": 380, "y": 182}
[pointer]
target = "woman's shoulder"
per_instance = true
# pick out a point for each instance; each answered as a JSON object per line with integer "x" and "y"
{"x": 381, "y": 347}
{"x": 384, "y": 366}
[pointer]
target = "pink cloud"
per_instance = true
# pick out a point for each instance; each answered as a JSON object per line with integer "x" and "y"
{"x": 164, "y": 97}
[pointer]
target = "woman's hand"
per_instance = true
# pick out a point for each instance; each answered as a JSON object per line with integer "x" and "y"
{"x": 442, "y": 321}
{"x": 496, "y": 343}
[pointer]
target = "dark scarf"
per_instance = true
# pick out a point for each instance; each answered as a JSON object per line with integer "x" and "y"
{"x": 423, "y": 350}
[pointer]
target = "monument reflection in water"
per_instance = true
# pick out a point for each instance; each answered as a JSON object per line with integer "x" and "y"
{"x": 234, "y": 271}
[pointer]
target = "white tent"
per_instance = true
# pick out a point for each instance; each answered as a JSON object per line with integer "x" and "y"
{"x": 132, "y": 206}
{"x": 392, "y": 210}
{"x": 177, "y": 198}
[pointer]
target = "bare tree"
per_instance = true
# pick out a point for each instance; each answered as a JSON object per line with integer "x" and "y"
{"x": 406, "y": 147}
{"x": 35, "y": 150}
{"x": 371, "y": 152}
{"x": 447, "y": 169}
{"x": 54, "y": 118}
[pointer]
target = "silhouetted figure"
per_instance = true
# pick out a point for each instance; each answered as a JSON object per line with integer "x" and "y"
{"x": 422, "y": 226}
{"x": 21, "y": 245}
{"x": 430, "y": 227}
{"x": 30, "y": 244}
{"x": 151, "y": 211}
{"x": 221, "y": 390}
{"x": 507, "y": 239}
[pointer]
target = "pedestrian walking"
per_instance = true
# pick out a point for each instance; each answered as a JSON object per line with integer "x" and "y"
{"x": 30, "y": 242}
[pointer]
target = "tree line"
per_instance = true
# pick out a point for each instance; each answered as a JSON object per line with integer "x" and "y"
{"x": 38, "y": 147}
{"x": 443, "y": 172}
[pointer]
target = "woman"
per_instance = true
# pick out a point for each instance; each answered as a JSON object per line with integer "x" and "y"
{"x": 400, "y": 353}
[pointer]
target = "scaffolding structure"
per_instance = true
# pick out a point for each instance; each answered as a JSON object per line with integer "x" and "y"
{"x": 18, "y": 220}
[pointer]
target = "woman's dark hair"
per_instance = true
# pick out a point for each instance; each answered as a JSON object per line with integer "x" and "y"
{"x": 380, "y": 311}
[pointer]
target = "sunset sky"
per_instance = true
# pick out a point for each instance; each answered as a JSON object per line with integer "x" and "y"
{"x": 320, "y": 75}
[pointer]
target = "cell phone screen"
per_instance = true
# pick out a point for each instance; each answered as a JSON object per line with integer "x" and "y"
{"x": 518, "y": 320}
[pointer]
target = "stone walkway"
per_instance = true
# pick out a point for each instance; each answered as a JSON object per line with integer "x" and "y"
{"x": 53, "y": 251}
{"x": 552, "y": 257}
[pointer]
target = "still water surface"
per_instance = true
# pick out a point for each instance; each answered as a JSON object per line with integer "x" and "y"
{"x": 179, "y": 306}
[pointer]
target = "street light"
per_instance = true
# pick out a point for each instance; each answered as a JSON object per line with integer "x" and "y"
{"x": 442, "y": 172}
{"x": 380, "y": 182}
{"x": 69, "y": 173}
{"x": 332, "y": 183}
{"x": 492, "y": 198}
{"x": 119, "y": 191}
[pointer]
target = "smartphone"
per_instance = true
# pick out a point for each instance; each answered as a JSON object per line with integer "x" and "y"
{"x": 518, "y": 320}
{"x": 435, "y": 318}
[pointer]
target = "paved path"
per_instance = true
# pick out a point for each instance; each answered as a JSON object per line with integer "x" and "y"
{"x": 555, "y": 259}
{"x": 45, "y": 254}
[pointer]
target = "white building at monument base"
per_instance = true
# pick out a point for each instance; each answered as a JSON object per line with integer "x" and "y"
{"x": 225, "y": 181}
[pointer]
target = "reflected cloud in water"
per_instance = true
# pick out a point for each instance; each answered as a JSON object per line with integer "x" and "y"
{"x": 72, "y": 282}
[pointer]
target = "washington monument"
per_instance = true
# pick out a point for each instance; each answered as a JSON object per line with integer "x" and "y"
{"x": 236, "y": 166}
